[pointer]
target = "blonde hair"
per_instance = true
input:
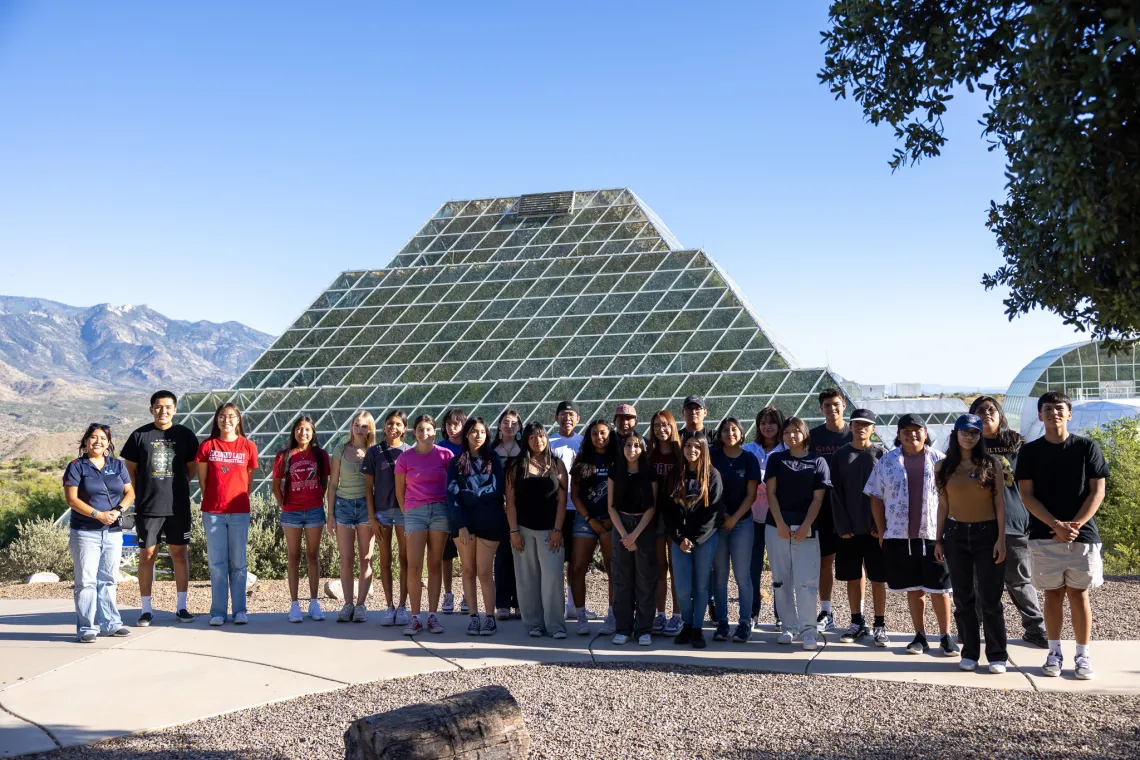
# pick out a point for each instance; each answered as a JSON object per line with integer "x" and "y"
{"x": 369, "y": 439}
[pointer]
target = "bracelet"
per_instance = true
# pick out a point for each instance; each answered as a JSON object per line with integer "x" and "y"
{"x": 513, "y": 532}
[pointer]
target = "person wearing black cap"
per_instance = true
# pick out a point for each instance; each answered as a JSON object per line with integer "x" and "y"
{"x": 564, "y": 444}
{"x": 695, "y": 409}
{"x": 904, "y": 501}
{"x": 858, "y": 545}
{"x": 971, "y": 535}
{"x": 826, "y": 439}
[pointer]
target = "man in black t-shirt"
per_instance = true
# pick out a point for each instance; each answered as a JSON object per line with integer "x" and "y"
{"x": 826, "y": 439}
{"x": 1062, "y": 479}
{"x": 160, "y": 460}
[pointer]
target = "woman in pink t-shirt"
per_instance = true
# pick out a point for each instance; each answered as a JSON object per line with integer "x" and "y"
{"x": 421, "y": 490}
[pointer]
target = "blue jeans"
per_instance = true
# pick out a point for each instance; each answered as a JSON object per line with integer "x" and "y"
{"x": 691, "y": 572}
{"x": 226, "y": 538}
{"x": 96, "y": 554}
{"x": 304, "y": 518}
{"x": 351, "y": 512}
{"x": 734, "y": 545}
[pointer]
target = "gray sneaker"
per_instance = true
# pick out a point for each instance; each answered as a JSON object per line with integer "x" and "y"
{"x": 1053, "y": 663}
{"x": 609, "y": 626}
{"x": 673, "y": 625}
{"x": 360, "y": 614}
{"x": 401, "y": 615}
{"x": 583, "y": 623}
{"x": 882, "y": 640}
{"x": 345, "y": 614}
{"x": 1084, "y": 670}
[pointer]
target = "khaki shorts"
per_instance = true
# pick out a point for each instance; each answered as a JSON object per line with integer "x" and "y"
{"x": 1057, "y": 564}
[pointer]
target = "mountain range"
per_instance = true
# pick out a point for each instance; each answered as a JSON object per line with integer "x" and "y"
{"x": 61, "y": 364}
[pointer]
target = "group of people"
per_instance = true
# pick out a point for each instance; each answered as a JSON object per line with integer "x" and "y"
{"x": 524, "y": 508}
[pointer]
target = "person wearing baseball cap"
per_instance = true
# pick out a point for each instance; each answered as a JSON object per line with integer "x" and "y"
{"x": 695, "y": 410}
{"x": 564, "y": 444}
{"x": 971, "y": 535}
{"x": 857, "y": 548}
{"x": 904, "y": 502}
{"x": 625, "y": 423}
{"x": 826, "y": 439}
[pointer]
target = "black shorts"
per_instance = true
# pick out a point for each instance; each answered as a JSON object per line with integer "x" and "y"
{"x": 173, "y": 529}
{"x": 858, "y": 552}
{"x": 449, "y": 550}
{"x": 911, "y": 566}
{"x": 825, "y": 527}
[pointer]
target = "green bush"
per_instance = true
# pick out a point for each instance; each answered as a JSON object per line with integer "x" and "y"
{"x": 27, "y": 494}
{"x": 39, "y": 546}
{"x": 1119, "y": 515}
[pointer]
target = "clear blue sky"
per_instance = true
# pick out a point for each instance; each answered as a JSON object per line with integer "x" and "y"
{"x": 225, "y": 160}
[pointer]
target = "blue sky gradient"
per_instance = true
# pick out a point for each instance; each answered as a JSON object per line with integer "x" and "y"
{"x": 226, "y": 160}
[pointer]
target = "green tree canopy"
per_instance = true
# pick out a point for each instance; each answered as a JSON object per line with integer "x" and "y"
{"x": 1061, "y": 79}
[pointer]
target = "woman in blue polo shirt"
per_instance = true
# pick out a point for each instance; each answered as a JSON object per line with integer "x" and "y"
{"x": 98, "y": 490}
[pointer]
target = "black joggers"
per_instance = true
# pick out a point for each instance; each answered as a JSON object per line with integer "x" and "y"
{"x": 635, "y": 578}
{"x": 970, "y": 553}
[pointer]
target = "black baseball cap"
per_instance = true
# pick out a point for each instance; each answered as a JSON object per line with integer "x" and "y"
{"x": 695, "y": 400}
{"x": 864, "y": 415}
{"x": 566, "y": 406}
{"x": 910, "y": 419}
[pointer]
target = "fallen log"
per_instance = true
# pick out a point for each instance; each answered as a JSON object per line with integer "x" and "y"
{"x": 481, "y": 724}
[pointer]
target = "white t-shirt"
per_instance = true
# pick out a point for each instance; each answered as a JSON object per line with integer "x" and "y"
{"x": 566, "y": 448}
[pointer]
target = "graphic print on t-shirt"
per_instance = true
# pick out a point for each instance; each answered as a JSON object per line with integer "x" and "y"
{"x": 161, "y": 459}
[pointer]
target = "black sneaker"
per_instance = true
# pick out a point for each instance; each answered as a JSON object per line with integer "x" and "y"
{"x": 699, "y": 639}
{"x": 854, "y": 632}
{"x": 120, "y": 632}
{"x": 721, "y": 631}
{"x": 1037, "y": 639}
{"x": 948, "y": 646}
{"x": 685, "y": 636}
{"x": 918, "y": 645}
{"x": 743, "y": 633}
{"x": 87, "y": 638}
{"x": 184, "y": 616}
{"x": 144, "y": 620}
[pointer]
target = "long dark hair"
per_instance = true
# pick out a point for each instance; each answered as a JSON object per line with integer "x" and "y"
{"x": 546, "y": 461}
{"x": 987, "y": 472}
{"x": 775, "y": 414}
{"x": 91, "y": 431}
{"x": 719, "y": 443}
{"x": 314, "y": 447}
{"x": 485, "y": 452}
{"x": 585, "y": 461}
{"x": 679, "y": 476}
{"x": 1006, "y": 438}
{"x": 644, "y": 481}
{"x": 216, "y": 431}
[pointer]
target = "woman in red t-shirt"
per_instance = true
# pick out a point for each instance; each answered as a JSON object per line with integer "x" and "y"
{"x": 225, "y": 462}
{"x": 300, "y": 477}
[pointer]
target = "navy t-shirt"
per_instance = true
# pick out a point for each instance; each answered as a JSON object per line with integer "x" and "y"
{"x": 735, "y": 472}
{"x": 797, "y": 480}
{"x": 100, "y": 489}
{"x": 594, "y": 490}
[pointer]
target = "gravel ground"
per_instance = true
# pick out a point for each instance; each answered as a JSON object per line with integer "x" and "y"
{"x": 631, "y": 711}
{"x": 1116, "y": 605}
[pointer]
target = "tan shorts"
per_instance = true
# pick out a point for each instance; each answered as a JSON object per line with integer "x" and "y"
{"x": 1057, "y": 564}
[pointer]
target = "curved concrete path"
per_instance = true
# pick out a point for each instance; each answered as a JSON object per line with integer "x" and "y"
{"x": 218, "y": 670}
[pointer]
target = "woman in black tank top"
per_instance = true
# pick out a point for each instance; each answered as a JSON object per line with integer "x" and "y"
{"x": 536, "y": 510}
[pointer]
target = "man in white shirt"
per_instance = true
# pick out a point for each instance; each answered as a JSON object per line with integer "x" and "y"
{"x": 564, "y": 445}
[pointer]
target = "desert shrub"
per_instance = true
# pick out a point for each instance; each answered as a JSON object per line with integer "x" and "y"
{"x": 27, "y": 494}
{"x": 1119, "y": 515}
{"x": 39, "y": 546}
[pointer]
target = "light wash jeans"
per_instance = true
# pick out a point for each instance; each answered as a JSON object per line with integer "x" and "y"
{"x": 226, "y": 538}
{"x": 691, "y": 572}
{"x": 736, "y": 546}
{"x": 538, "y": 576}
{"x": 795, "y": 579}
{"x": 96, "y": 554}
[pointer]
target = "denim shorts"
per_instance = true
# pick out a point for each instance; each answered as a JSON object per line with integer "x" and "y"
{"x": 582, "y": 527}
{"x": 389, "y": 517}
{"x": 427, "y": 517}
{"x": 351, "y": 512}
{"x": 306, "y": 518}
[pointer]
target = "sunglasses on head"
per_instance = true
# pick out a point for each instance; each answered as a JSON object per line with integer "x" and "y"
{"x": 99, "y": 426}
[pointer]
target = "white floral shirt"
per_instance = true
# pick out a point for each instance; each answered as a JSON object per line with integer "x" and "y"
{"x": 888, "y": 482}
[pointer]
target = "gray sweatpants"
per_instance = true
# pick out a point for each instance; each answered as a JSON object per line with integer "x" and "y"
{"x": 635, "y": 578}
{"x": 538, "y": 575}
{"x": 795, "y": 579}
{"x": 1019, "y": 584}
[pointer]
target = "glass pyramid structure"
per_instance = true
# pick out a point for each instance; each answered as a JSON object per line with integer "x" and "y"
{"x": 520, "y": 303}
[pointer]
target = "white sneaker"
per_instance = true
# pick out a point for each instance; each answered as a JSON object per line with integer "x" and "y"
{"x": 240, "y": 618}
{"x": 402, "y": 615}
{"x": 645, "y": 640}
{"x": 1053, "y": 663}
{"x": 388, "y": 616}
{"x": 785, "y": 637}
{"x": 610, "y": 624}
{"x": 968, "y": 665}
{"x": 360, "y": 614}
{"x": 315, "y": 610}
{"x": 997, "y": 666}
{"x": 620, "y": 638}
{"x": 345, "y": 614}
{"x": 1084, "y": 669}
{"x": 295, "y": 615}
{"x": 810, "y": 644}
{"x": 448, "y": 605}
{"x": 219, "y": 620}
{"x": 583, "y": 623}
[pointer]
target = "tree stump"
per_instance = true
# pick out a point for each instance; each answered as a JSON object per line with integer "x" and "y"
{"x": 482, "y": 724}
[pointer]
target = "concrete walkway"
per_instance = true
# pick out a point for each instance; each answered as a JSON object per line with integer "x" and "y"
{"x": 55, "y": 692}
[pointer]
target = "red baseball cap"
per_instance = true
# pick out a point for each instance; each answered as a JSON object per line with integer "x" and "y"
{"x": 625, "y": 410}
